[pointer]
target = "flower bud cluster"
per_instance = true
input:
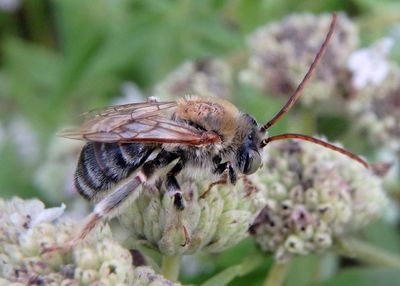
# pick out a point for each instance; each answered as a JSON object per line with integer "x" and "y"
{"x": 207, "y": 77}
{"x": 376, "y": 111}
{"x": 313, "y": 195}
{"x": 281, "y": 53}
{"x": 26, "y": 229}
{"x": 211, "y": 221}
{"x": 144, "y": 275}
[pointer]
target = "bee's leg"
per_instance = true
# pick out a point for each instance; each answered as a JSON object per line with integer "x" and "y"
{"x": 106, "y": 208}
{"x": 227, "y": 166}
{"x": 111, "y": 203}
{"x": 222, "y": 168}
{"x": 163, "y": 159}
{"x": 173, "y": 185}
{"x": 212, "y": 185}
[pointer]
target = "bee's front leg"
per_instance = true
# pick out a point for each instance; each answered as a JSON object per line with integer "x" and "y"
{"x": 227, "y": 167}
{"x": 229, "y": 175}
{"x": 173, "y": 185}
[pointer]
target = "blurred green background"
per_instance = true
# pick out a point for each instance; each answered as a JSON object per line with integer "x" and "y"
{"x": 59, "y": 58}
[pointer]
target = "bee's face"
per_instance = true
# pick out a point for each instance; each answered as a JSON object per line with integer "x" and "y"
{"x": 248, "y": 154}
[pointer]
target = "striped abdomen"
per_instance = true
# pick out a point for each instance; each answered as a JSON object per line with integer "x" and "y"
{"x": 102, "y": 165}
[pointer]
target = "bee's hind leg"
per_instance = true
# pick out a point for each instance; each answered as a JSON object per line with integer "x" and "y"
{"x": 173, "y": 187}
{"x": 106, "y": 208}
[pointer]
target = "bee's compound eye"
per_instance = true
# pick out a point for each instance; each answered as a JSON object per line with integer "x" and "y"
{"x": 253, "y": 162}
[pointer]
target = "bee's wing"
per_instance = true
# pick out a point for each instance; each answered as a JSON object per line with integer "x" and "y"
{"x": 148, "y": 122}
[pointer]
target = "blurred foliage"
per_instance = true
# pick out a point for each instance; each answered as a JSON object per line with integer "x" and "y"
{"x": 59, "y": 58}
{"x": 363, "y": 277}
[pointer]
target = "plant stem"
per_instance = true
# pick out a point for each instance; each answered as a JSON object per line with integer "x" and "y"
{"x": 170, "y": 267}
{"x": 368, "y": 253}
{"x": 277, "y": 274}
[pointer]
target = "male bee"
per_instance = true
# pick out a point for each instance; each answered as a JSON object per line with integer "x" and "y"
{"x": 141, "y": 143}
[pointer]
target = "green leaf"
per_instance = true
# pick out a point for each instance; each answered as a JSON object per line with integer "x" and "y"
{"x": 332, "y": 126}
{"x": 31, "y": 64}
{"x": 249, "y": 264}
{"x": 383, "y": 235}
{"x": 364, "y": 277}
{"x": 224, "y": 277}
{"x": 302, "y": 270}
{"x": 307, "y": 269}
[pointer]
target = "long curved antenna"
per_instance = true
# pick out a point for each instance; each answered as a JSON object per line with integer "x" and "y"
{"x": 316, "y": 141}
{"x": 308, "y": 75}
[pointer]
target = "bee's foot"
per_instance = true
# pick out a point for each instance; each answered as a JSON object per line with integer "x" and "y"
{"x": 179, "y": 201}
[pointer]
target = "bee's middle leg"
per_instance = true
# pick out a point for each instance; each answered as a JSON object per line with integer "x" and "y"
{"x": 173, "y": 185}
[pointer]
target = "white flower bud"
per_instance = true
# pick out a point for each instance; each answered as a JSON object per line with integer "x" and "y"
{"x": 145, "y": 276}
{"x": 375, "y": 111}
{"x": 213, "y": 221}
{"x": 329, "y": 195}
{"x": 281, "y": 52}
{"x": 100, "y": 261}
{"x": 208, "y": 77}
{"x": 54, "y": 177}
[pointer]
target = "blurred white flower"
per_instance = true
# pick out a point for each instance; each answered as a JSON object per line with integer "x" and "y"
{"x": 369, "y": 65}
{"x": 29, "y": 214}
{"x": 9, "y": 5}
{"x": 375, "y": 112}
{"x": 54, "y": 177}
{"x": 281, "y": 52}
{"x": 25, "y": 139}
{"x": 204, "y": 77}
{"x": 47, "y": 215}
{"x": 394, "y": 32}
{"x": 130, "y": 93}
{"x": 26, "y": 228}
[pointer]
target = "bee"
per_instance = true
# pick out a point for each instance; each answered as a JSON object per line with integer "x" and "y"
{"x": 143, "y": 143}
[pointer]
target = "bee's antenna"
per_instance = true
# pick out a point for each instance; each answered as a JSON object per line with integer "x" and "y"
{"x": 308, "y": 75}
{"x": 316, "y": 141}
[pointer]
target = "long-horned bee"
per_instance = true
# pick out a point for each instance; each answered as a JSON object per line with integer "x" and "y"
{"x": 130, "y": 145}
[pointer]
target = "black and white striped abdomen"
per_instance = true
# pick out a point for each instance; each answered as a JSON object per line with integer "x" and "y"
{"x": 102, "y": 165}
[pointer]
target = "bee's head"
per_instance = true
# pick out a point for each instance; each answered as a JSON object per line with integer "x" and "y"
{"x": 249, "y": 139}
